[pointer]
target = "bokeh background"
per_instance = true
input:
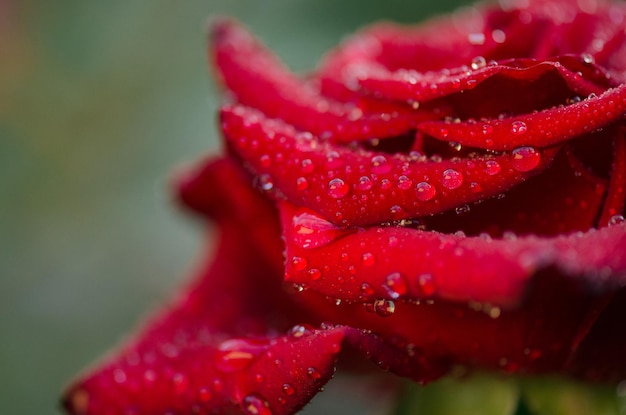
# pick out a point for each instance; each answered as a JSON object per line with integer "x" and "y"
{"x": 99, "y": 102}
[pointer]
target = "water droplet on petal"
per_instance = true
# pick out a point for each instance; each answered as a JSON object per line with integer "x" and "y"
{"x": 404, "y": 183}
{"x": 384, "y": 308}
{"x": 616, "y": 220}
{"x": 307, "y": 166}
{"x": 204, "y": 395}
{"x": 368, "y": 259}
{"x": 237, "y": 354}
{"x": 380, "y": 165}
{"x": 396, "y": 285}
{"x": 298, "y": 263}
{"x": 337, "y": 188}
{"x": 451, "y": 179}
{"x": 266, "y": 182}
{"x": 425, "y": 191}
{"x": 478, "y": 62}
{"x": 587, "y": 58}
{"x": 254, "y": 404}
{"x": 525, "y": 159}
{"x": 313, "y": 373}
{"x": 301, "y": 330}
{"x": 288, "y": 389}
{"x": 265, "y": 160}
{"x": 518, "y": 127}
{"x": 487, "y": 129}
{"x": 463, "y": 209}
{"x": 492, "y": 167}
{"x": 313, "y": 231}
{"x": 315, "y": 274}
{"x": 302, "y": 183}
{"x": 365, "y": 183}
{"x": 426, "y": 284}
{"x": 333, "y": 160}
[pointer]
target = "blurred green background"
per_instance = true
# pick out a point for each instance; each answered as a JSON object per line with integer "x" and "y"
{"x": 99, "y": 102}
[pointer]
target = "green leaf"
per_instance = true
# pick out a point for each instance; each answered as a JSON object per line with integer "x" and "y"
{"x": 477, "y": 394}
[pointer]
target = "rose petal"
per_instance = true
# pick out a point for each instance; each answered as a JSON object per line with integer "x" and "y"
{"x": 541, "y": 129}
{"x": 363, "y": 187}
{"x": 616, "y": 197}
{"x": 564, "y": 198}
{"x": 581, "y": 77}
{"x": 403, "y": 263}
{"x": 258, "y": 79}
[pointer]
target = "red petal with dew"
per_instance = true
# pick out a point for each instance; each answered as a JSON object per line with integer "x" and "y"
{"x": 402, "y": 263}
{"x": 220, "y": 345}
{"x": 363, "y": 187}
{"x": 257, "y": 79}
{"x": 541, "y": 129}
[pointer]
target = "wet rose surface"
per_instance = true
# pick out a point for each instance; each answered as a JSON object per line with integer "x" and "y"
{"x": 444, "y": 196}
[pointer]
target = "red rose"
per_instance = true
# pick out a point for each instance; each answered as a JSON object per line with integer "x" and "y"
{"x": 435, "y": 196}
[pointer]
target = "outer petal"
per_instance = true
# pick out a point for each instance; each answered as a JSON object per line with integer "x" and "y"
{"x": 363, "y": 187}
{"x": 401, "y": 263}
{"x": 256, "y": 78}
{"x": 218, "y": 348}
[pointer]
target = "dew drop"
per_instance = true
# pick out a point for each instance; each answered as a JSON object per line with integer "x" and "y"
{"x": 404, "y": 183}
{"x": 393, "y": 241}
{"x": 380, "y": 165}
{"x": 254, "y": 404}
{"x": 307, "y": 166}
{"x": 368, "y": 259}
{"x": 337, "y": 188}
{"x": 384, "y": 308}
{"x": 204, "y": 394}
{"x": 367, "y": 289}
{"x": 180, "y": 382}
{"x": 525, "y": 159}
{"x": 237, "y": 354}
{"x": 478, "y": 62}
{"x": 333, "y": 160}
{"x": 587, "y": 58}
{"x": 301, "y": 330}
{"x": 266, "y": 182}
{"x": 425, "y": 191}
{"x": 492, "y": 167}
{"x": 302, "y": 183}
{"x": 298, "y": 263}
{"x": 312, "y": 231}
{"x": 365, "y": 183}
{"x": 426, "y": 284}
{"x": 396, "y": 285}
{"x": 265, "y": 160}
{"x": 455, "y": 146}
{"x": 313, "y": 373}
{"x": 288, "y": 389}
{"x": 518, "y": 127}
{"x": 451, "y": 179}
{"x": 487, "y": 129}
{"x": 315, "y": 274}
{"x": 463, "y": 209}
{"x": 616, "y": 220}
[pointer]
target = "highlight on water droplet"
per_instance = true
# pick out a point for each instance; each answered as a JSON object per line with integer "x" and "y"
{"x": 315, "y": 274}
{"x": 492, "y": 167}
{"x": 300, "y": 330}
{"x": 298, "y": 263}
{"x": 266, "y": 182}
{"x": 288, "y": 389}
{"x": 451, "y": 179}
{"x": 425, "y": 191}
{"x": 404, "y": 183}
{"x": 380, "y": 165}
{"x": 395, "y": 285}
{"x": 368, "y": 259}
{"x": 525, "y": 159}
{"x": 365, "y": 183}
{"x": 302, "y": 183}
{"x": 384, "y": 307}
{"x": 426, "y": 284}
{"x": 337, "y": 188}
{"x": 307, "y": 166}
{"x": 518, "y": 127}
{"x": 254, "y": 404}
{"x": 313, "y": 373}
{"x": 237, "y": 354}
{"x": 478, "y": 62}
{"x": 313, "y": 231}
{"x": 616, "y": 220}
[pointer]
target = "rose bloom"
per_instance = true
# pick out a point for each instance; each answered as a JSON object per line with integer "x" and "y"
{"x": 444, "y": 197}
